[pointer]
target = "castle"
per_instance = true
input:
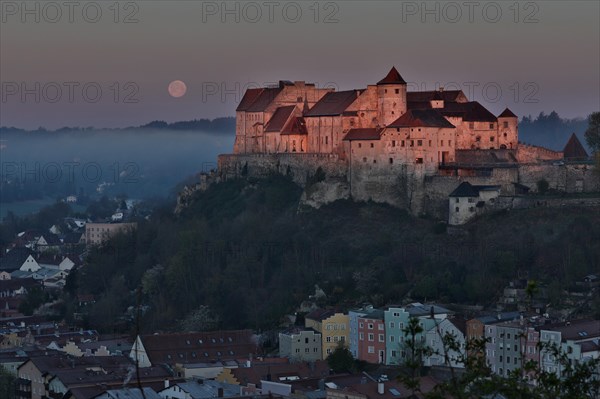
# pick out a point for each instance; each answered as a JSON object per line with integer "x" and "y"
{"x": 387, "y": 144}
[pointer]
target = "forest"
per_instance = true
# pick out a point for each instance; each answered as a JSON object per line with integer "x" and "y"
{"x": 245, "y": 253}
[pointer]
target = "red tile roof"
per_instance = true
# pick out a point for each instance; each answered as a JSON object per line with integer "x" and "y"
{"x": 363, "y": 134}
{"x": 574, "y": 149}
{"x": 334, "y": 103}
{"x": 393, "y": 77}
{"x": 426, "y": 96}
{"x": 263, "y": 100}
{"x": 279, "y": 119}
{"x": 296, "y": 125}
{"x": 470, "y": 112}
{"x": 199, "y": 347}
{"x": 421, "y": 118}
{"x": 249, "y": 97}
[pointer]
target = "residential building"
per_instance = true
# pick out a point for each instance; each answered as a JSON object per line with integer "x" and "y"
{"x": 371, "y": 337}
{"x": 193, "y": 347}
{"x": 300, "y": 344}
{"x": 333, "y": 326}
{"x": 97, "y": 233}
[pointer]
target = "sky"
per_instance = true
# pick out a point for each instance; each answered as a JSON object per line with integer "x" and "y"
{"x": 109, "y": 63}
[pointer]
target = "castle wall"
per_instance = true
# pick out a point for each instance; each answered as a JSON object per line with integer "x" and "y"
{"x": 531, "y": 153}
{"x": 300, "y": 165}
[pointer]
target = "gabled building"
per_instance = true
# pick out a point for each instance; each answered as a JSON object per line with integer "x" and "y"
{"x": 333, "y": 326}
{"x": 468, "y": 201}
{"x": 197, "y": 347}
{"x": 300, "y": 344}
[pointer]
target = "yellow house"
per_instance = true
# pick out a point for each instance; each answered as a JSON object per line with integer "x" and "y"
{"x": 333, "y": 326}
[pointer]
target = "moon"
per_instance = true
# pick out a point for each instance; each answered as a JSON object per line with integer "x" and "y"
{"x": 177, "y": 89}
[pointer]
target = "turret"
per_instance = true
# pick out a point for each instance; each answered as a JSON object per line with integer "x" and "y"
{"x": 437, "y": 101}
{"x": 391, "y": 96}
{"x": 508, "y": 130}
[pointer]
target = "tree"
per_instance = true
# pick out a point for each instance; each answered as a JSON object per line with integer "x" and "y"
{"x": 7, "y": 384}
{"x": 592, "y": 134}
{"x": 341, "y": 359}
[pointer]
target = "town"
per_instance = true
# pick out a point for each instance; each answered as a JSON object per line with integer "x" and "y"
{"x": 51, "y": 359}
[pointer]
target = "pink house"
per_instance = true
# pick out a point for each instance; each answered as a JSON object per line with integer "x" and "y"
{"x": 371, "y": 337}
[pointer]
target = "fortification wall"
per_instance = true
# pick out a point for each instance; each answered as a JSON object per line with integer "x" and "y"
{"x": 438, "y": 188}
{"x": 301, "y": 166}
{"x": 568, "y": 177}
{"x": 532, "y": 153}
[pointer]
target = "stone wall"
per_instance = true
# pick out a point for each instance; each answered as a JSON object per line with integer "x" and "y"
{"x": 301, "y": 166}
{"x": 533, "y": 153}
{"x": 405, "y": 186}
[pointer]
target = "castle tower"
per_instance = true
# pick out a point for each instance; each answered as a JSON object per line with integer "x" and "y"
{"x": 508, "y": 130}
{"x": 391, "y": 97}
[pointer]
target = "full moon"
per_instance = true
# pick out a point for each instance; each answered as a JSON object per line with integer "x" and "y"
{"x": 177, "y": 89}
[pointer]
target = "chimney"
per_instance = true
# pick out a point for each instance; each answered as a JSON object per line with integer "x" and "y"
{"x": 380, "y": 388}
{"x": 220, "y": 392}
{"x": 167, "y": 384}
{"x": 248, "y": 363}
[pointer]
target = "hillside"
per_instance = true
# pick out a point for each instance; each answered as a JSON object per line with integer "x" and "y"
{"x": 243, "y": 250}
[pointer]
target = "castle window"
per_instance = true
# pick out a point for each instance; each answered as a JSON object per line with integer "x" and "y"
{"x": 478, "y": 139}
{"x": 362, "y": 114}
{"x": 505, "y": 125}
{"x": 374, "y": 161}
{"x": 398, "y": 129}
{"x": 372, "y": 145}
{"x": 391, "y": 161}
{"x": 402, "y": 143}
{"x": 491, "y": 125}
{"x": 457, "y": 200}
{"x": 393, "y": 143}
{"x": 471, "y": 125}
{"x": 392, "y": 112}
{"x": 419, "y": 160}
{"x": 359, "y": 145}
{"x": 449, "y": 143}
{"x": 397, "y": 91}
{"x": 430, "y": 143}
{"x": 420, "y": 143}
{"x": 471, "y": 209}
{"x": 385, "y": 91}
{"x": 412, "y": 143}
{"x": 326, "y": 140}
{"x": 299, "y": 99}
{"x": 365, "y": 159}
{"x": 457, "y": 209}
{"x": 492, "y": 138}
{"x": 505, "y": 135}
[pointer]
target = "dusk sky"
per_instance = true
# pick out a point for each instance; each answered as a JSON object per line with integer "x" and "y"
{"x": 542, "y": 55}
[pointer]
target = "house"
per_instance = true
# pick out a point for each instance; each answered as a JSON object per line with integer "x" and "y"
{"x": 276, "y": 370}
{"x": 434, "y": 339}
{"x": 353, "y": 316}
{"x": 476, "y": 327}
{"x": 97, "y": 233}
{"x": 579, "y": 340}
{"x": 468, "y": 201}
{"x": 18, "y": 259}
{"x": 200, "y": 389}
{"x": 300, "y": 344}
{"x": 130, "y": 393}
{"x": 371, "y": 337}
{"x": 56, "y": 375}
{"x": 396, "y": 320}
{"x": 333, "y": 326}
{"x": 369, "y": 389}
{"x": 12, "y": 288}
{"x": 197, "y": 347}
{"x": 48, "y": 242}
{"x": 574, "y": 151}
